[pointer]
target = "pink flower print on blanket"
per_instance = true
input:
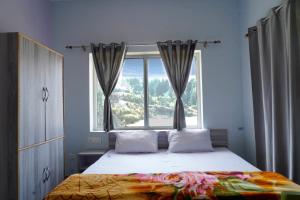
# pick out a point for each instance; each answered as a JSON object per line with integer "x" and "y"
{"x": 192, "y": 183}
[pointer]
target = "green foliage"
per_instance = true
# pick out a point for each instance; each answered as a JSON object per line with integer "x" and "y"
{"x": 162, "y": 87}
{"x": 128, "y": 113}
{"x": 190, "y": 96}
{"x": 136, "y": 85}
{"x": 128, "y": 104}
{"x": 99, "y": 109}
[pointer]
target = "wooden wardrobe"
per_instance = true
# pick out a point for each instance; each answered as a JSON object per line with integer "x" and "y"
{"x": 31, "y": 118}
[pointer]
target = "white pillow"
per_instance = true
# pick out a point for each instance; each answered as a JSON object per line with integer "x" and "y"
{"x": 190, "y": 140}
{"x": 136, "y": 142}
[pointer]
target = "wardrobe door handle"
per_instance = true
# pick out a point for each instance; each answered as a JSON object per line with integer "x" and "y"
{"x": 43, "y": 94}
{"x": 47, "y": 94}
{"x": 49, "y": 173}
{"x": 44, "y": 175}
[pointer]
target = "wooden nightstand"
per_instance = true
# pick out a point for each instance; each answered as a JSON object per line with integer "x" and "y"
{"x": 87, "y": 158}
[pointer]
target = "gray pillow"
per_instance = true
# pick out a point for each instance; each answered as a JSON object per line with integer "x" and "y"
{"x": 136, "y": 142}
{"x": 190, "y": 140}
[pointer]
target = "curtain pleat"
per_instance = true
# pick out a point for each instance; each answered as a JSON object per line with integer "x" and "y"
{"x": 257, "y": 100}
{"x": 177, "y": 57}
{"x": 108, "y": 60}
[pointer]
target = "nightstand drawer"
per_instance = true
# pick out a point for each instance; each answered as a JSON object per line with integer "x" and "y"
{"x": 87, "y": 158}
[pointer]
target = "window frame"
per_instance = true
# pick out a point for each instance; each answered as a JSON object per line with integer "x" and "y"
{"x": 92, "y": 94}
{"x": 146, "y": 56}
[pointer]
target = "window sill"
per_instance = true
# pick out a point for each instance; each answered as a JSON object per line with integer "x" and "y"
{"x": 134, "y": 129}
{"x": 139, "y": 129}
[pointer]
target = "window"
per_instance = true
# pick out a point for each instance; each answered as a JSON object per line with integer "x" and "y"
{"x": 143, "y": 97}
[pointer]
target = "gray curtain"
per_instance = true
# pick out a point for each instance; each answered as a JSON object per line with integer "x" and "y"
{"x": 108, "y": 60}
{"x": 257, "y": 98}
{"x": 177, "y": 57}
{"x": 275, "y": 67}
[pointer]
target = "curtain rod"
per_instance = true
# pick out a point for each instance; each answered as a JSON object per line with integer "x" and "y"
{"x": 84, "y": 47}
{"x": 274, "y": 9}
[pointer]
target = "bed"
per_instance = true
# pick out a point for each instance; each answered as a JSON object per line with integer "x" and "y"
{"x": 220, "y": 174}
{"x": 166, "y": 162}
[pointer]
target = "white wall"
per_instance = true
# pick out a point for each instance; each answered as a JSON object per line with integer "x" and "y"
{"x": 141, "y": 21}
{"x": 31, "y": 17}
{"x": 251, "y": 11}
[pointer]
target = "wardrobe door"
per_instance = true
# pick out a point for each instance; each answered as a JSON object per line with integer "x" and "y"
{"x": 54, "y": 102}
{"x": 43, "y": 169}
{"x": 56, "y": 166}
{"x": 33, "y": 164}
{"x": 31, "y": 82}
{"x": 30, "y": 186}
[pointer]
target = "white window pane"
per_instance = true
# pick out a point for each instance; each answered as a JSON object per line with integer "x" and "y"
{"x": 189, "y": 99}
{"x": 96, "y": 99}
{"x": 99, "y": 106}
{"x": 127, "y": 99}
{"x": 160, "y": 95}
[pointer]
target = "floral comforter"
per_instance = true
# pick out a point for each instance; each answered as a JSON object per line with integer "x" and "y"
{"x": 183, "y": 185}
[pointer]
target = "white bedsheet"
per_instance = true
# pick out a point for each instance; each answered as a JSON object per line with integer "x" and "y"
{"x": 221, "y": 159}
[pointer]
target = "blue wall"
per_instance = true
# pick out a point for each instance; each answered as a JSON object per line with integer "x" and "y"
{"x": 142, "y": 21}
{"x": 31, "y": 17}
{"x": 251, "y": 11}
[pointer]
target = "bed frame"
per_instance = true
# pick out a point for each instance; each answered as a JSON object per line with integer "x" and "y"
{"x": 219, "y": 138}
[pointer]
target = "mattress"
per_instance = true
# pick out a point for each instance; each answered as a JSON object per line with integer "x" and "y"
{"x": 221, "y": 159}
